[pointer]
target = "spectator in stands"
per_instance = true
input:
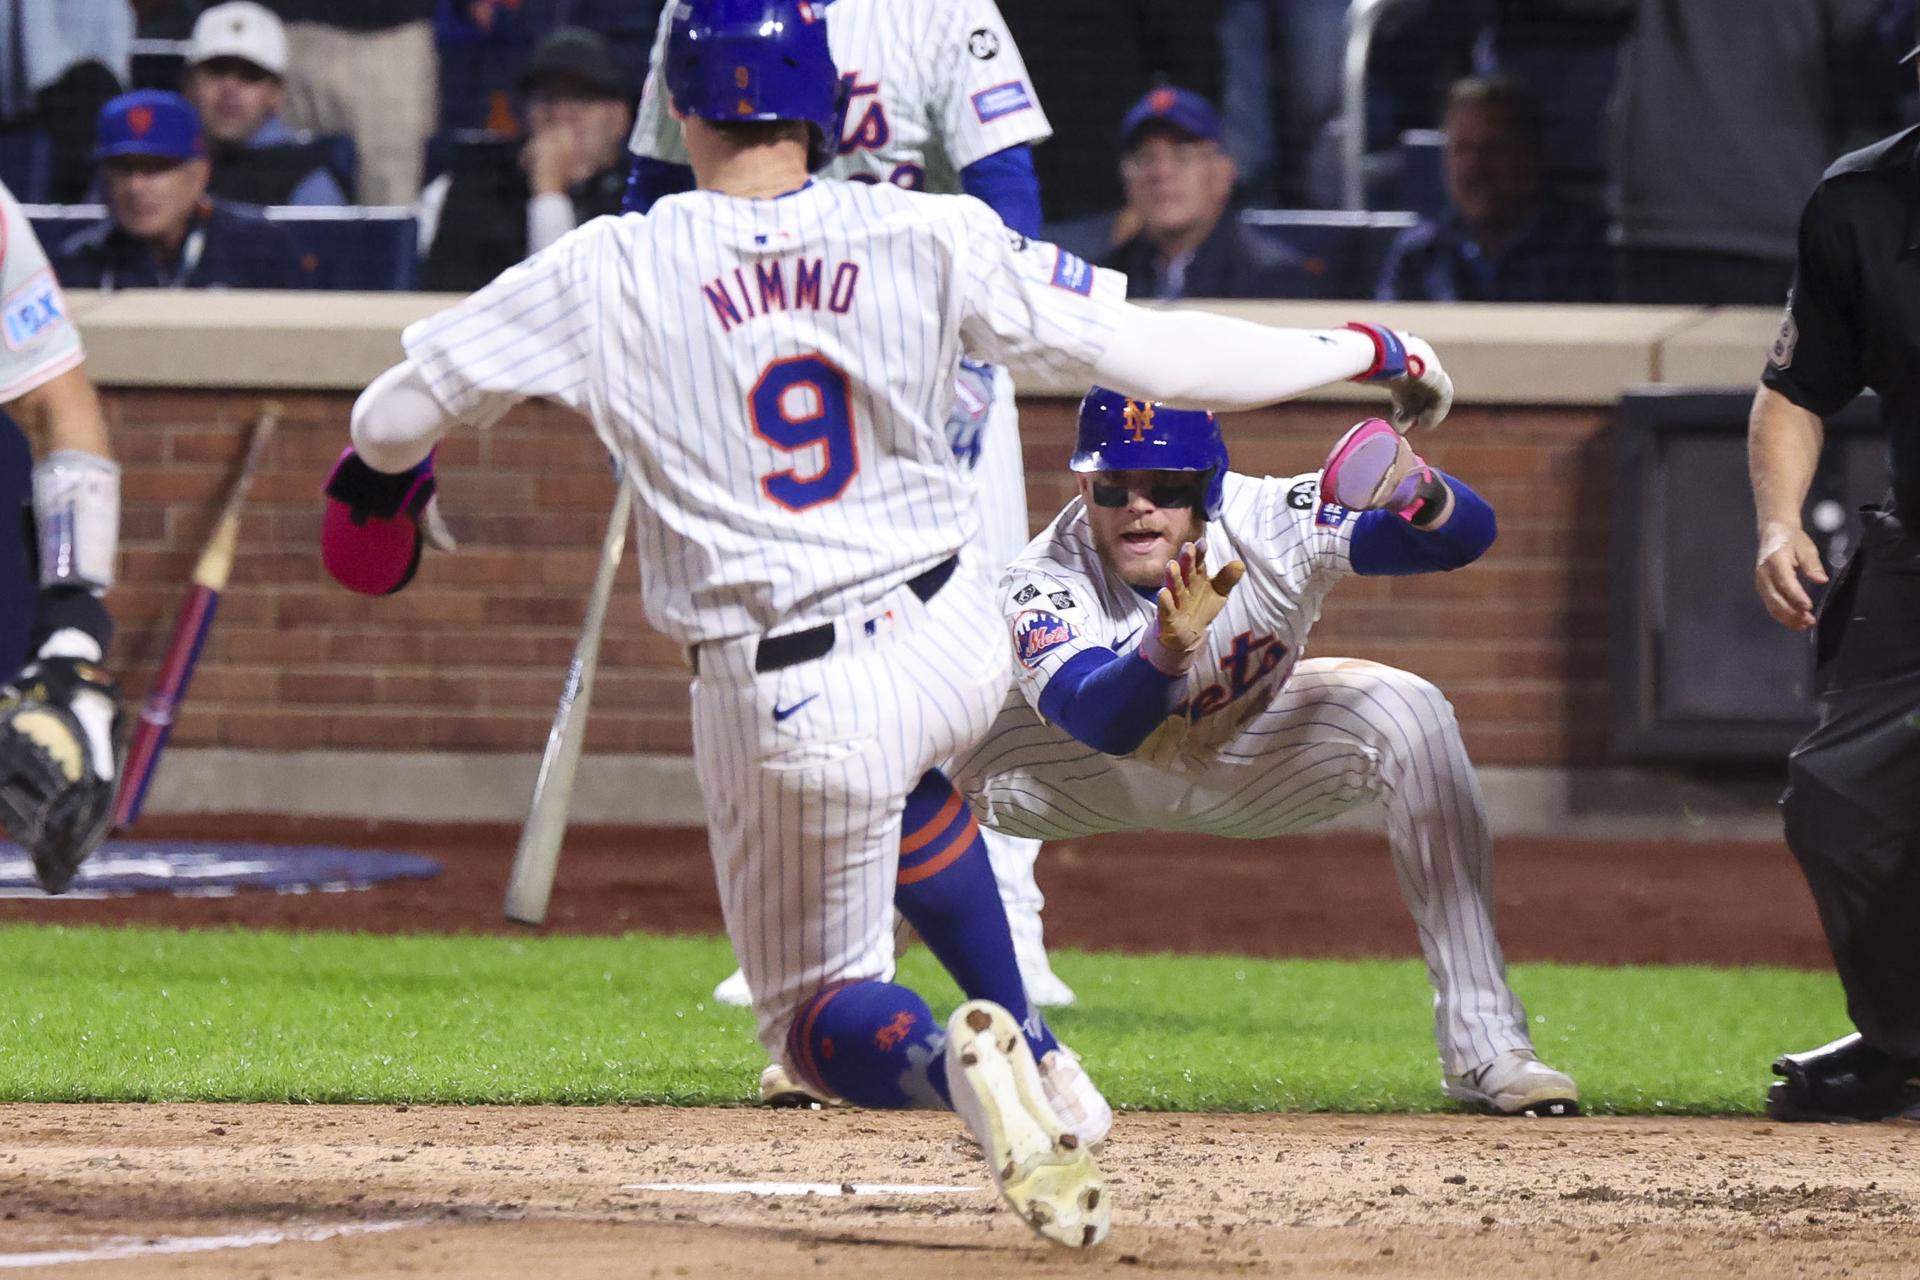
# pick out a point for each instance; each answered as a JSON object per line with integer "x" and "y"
{"x": 1502, "y": 237}
{"x": 1727, "y": 113}
{"x": 1191, "y": 244}
{"x": 235, "y": 78}
{"x": 60, "y": 61}
{"x": 368, "y": 68}
{"x": 573, "y": 167}
{"x": 163, "y": 231}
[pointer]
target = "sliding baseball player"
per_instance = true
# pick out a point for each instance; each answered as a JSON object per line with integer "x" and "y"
{"x": 1159, "y": 629}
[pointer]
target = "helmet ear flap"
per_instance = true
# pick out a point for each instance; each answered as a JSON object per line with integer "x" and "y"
{"x": 826, "y": 145}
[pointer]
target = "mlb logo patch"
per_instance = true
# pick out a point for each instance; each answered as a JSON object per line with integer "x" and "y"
{"x": 30, "y": 311}
{"x": 1331, "y": 515}
{"x": 1037, "y": 634}
{"x": 1001, "y": 100}
{"x": 1072, "y": 274}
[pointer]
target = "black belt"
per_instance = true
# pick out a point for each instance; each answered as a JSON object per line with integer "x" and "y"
{"x": 777, "y": 652}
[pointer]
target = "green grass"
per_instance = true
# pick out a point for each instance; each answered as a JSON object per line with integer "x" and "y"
{"x": 151, "y": 1015}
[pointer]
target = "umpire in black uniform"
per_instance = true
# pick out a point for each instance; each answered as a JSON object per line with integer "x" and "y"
{"x": 1852, "y": 806}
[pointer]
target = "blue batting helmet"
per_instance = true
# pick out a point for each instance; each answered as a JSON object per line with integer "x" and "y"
{"x": 1118, "y": 434}
{"x": 757, "y": 60}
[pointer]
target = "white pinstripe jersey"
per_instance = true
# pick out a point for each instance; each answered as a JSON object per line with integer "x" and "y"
{"x": 37, "y": 340}
{"x": 1060, "y": 600}
{"x": 775, "y": 374}
{"x": 933, "y": 85}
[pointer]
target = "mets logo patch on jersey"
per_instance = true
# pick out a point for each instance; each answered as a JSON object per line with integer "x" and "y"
{"x": 30, "y": 311}
{"x": 1331, "y": 515}
{"x": 1001, "y": 100}
{"x": 1037, "y": 634}
{"x": 1072, "y": 273}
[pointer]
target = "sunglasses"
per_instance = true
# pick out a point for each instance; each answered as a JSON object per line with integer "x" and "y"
{"x": 1161, "y": 495}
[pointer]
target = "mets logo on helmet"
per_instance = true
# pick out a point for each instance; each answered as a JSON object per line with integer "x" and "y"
{"x": 1139, "y": 419}
{"x": 1037, "y": 633}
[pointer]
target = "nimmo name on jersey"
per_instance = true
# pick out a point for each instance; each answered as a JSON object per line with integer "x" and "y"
{"x": 739, "y": 301}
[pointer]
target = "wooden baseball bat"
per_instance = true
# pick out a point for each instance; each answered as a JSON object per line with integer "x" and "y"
{"x": 537, "y": 858}
{"x": 190, "y": 627}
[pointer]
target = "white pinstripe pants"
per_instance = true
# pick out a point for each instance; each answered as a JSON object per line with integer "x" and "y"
{"x": 803, "y": 811}
{"x": 1341, "y": 733}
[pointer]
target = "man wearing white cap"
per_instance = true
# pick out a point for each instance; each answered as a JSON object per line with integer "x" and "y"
{"x": 236, "y": 80}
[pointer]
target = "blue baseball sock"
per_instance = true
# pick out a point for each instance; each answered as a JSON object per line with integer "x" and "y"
{"x": 876, "y": 1044}
{"x": 947, "y": 892}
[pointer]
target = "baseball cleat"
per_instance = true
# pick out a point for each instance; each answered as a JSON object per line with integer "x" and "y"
{"x": 1075, "y": 1099}
{"x": 733, "y": 990}
{"x": 1040, "y": 1167}
{"x": 1845, "y": 1080}
{"x": 1516, "y": 1083}
{"x": 779, "y": 1088}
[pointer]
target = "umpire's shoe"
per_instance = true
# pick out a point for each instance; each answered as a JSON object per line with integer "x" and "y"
{"x": 1040, "y": 1166}
{"x": 1846, "y": 1080}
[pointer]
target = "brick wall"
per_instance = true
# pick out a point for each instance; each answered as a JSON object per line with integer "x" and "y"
{"x": 471, "y": 655}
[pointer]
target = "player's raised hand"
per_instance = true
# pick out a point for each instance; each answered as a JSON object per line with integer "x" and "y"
{"x": 1786, "y": 555}
{"x": 1189, "y": 602}
{"x": 1421, "y": 390}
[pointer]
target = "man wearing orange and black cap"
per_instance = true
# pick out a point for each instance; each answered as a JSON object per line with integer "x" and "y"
{"x": 163, "y": 230}
{"x": 1191, "y": 244}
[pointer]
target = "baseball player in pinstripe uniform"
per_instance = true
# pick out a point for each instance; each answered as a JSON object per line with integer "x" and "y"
{"x": 938, "y": 99}
{"x": 60, "y": 714}
{"x": 772, "y": 359}
{"x": 1143, "y": 708}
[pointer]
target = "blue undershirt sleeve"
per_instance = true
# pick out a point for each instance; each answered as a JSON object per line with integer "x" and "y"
{"x": 1384, "y": 545}
{"x": 649, "y": 179}
{"x": 1006, "y": 181}
{"x": 1107, "y": 700}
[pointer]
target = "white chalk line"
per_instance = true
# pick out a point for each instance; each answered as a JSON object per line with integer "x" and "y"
{"x": 198, "y": 1244}
{"x": 801, "y": 1188}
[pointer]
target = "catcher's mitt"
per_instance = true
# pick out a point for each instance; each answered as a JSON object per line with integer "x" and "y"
{"x": 56, "y": 774}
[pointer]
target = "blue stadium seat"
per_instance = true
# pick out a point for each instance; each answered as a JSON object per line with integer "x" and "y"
{"x": 26, "y": 164}
{"x": 1419, "y": 179}
{"x": 158, "y": 64}
{"x": 338, "y": 153}
{"x": 53, "y": 223}
{"x": 355, "y": 248}
{"x": 452, "y": 149}
{"x": 1353, "y": 244}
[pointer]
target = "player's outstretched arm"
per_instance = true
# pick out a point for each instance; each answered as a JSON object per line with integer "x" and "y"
{"x": 1189, "y": 601}
{"x": 60, "y": 714}
{"x": 380, "y": 493}
{"x": 1195, "y": 358}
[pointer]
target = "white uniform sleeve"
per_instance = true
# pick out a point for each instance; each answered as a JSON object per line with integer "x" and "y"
{"x": 40, "y": 342}
{"x": 1049, "y": 619}
{"x": 1032, "y": 305}
{"x": 532, "y": 332}
{"x": 983, "y": 99}
{"x": 656, "y": 134}
{"x": 1308, "y": 540}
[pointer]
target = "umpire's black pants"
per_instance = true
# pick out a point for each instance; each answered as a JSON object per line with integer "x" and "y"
{"x": 1853, "y": 801}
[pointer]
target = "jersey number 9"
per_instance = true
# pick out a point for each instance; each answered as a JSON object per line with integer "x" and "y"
{"x": 803, "y": 402}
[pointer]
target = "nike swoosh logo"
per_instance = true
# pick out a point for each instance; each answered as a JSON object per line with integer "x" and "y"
{"x": 781, "y": 713}
{"x": 1119, "y": 646}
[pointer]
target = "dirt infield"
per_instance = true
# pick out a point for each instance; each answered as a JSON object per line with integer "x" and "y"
{"x": 285, "y": 1192}
{"x": 483, "y": 1193}
{"x": 1613, "y": 902}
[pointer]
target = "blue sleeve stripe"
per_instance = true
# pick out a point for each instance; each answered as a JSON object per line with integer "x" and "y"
{"x": 1108, "y": 700}
{"x": 1384, "y": 545}
{"x": 1006, "y": 181}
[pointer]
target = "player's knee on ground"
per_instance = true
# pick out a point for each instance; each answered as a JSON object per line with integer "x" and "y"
{"x": 876, "y": 1044}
